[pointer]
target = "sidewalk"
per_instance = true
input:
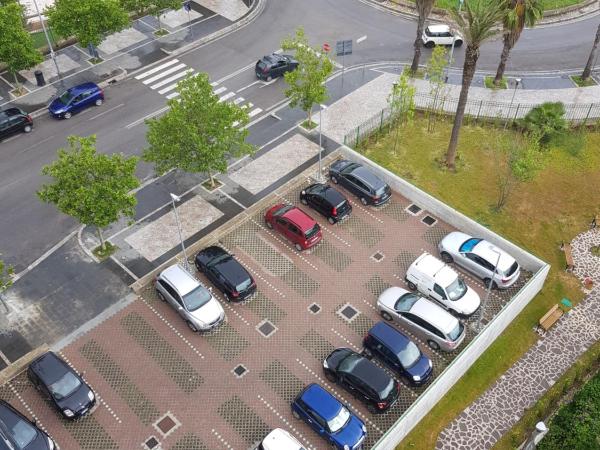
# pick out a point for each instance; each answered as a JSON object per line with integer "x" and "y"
{"x": 482, "y": 424}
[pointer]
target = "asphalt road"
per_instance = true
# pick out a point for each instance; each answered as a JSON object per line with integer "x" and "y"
{"x": 28, "y": 228}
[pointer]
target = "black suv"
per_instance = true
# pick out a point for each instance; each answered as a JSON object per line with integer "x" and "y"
{"x": 361, "y": 378}
{"x": 360, "y": 181}
{"x": 327, "y": 201}
{"x": 18, "y": 432}
{"x": 274, "y": 65}
{"x": 13, "y": 120}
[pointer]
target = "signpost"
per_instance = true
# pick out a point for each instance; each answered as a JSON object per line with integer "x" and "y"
{"x": 188, "y": 7}
{"x": 343, "y": 48}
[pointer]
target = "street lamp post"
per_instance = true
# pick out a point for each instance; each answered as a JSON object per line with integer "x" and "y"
{"x": 47, "y": 38}
{"x": 517, "y": 81}
{"x": 320, "y": 140}
{"x": 176, "y": 198}
{"x": 489, "y": 288}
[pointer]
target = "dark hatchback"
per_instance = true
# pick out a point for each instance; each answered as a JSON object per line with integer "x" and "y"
{"x": 76, "y": 99}
{"x": 67, "y": 391}
{"x": 225, "y": 272}
{"x": 19, "y": 433}
{"x": 370, "y": 189}
{"x": 327, "y": 201}
{"x": 361, "y": 378}
{"x": 398, "y": 352}
{"x": 274, "y": 65}
{"x": 13, "y": 120}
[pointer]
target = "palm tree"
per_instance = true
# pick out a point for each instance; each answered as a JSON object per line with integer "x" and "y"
{"x": 588, "y": 67}
{"x": 519, "y": 13}
{"x": 476, "y": 24}
{"x": 424, "y": 8}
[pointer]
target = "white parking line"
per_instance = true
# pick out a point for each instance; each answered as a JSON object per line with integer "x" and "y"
{"x": 173, "y": 78}
{"x": 288, "y": 424}
{"x": 148, "y": 116}
{"x": 226, "y": 96}
{"x": 221, "y": 439}
{"x": 156, "y": 69}
{"x": 254, "y": 112}
{"x": 106, "y": 112}
{"x": 164, "y": 74}
{"x": 238, "y": 100}
{"x": 247, "y": 86}
{"x": 218, "y": 91}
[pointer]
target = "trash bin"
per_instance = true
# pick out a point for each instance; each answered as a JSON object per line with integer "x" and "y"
{"x": 39, "y": 78}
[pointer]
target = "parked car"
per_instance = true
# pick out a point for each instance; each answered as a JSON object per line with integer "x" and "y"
{"x": 190, "y": 298}
{"x": 293, "y": 223}
{"x": 422, "y": 317}
{"x": 226, "y": 273}
{"x": 279, "y": 439}
{"x": 63, "y": 386}
{"x": 480, "y": 257}
{"x": 327, "y": 201}
{"x": 14, "y": 120}
{"x": 398, "y": 352}
{"x": 76, "y": 99}
{"x": 326, "y": 415}
{"x": 360, "y": 181}
{"x": 363, "y": 379}
{"x": 440, "y": 35}
{"x": 274, "y": 65}
{"x": 433, "y": 278}
{"x": 17, "y": 432}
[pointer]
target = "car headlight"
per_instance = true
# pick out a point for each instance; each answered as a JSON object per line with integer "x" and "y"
{"x": 346, "y": 447}
{"x": 91, "y": 395}
{"x": 67, "y": 412}
{"x": 364, "y": 428}
{"x": 416, "y": 378}
{"x": 430, "y": 364}
{"x": 325, "y": 364}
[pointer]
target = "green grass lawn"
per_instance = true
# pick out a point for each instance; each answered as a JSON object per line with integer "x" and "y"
{"x": 557, "y": 205}
{"x": 548, "y": 4}
{"x": 39, "y": 40}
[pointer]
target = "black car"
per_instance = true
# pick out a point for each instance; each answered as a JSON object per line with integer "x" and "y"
{"x": 13, "y": 120}
{"x": 361, "y": 378}
{"x": 327, "y": 201}
{"x": 226, "y": 273}
{"x": 57, "y": 381}
{"x": 360, "y": 181}
{"x": 274, "y": 65}
{"x": 19, "y": 433}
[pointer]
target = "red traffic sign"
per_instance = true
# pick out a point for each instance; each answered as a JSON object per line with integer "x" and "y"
{"x": 326, "y": 47}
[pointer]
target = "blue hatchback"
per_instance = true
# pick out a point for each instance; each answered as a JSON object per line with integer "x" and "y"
{"x": 329, "y": 418}
{"x": 75, "y": 99}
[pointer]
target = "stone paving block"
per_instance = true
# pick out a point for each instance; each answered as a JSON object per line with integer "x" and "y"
{"x": 230, "y": 9}
{"x": 282, "y": 380}
{"x": 65, "y": 64}
{"x": 244, "y": 420}
{"x": 123, "y": 39}
{"x": 189, "y": 442}
{"x": 178, "y": 17}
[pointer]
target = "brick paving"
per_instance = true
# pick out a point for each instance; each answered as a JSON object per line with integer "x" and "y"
{"x": 484, "y": 422}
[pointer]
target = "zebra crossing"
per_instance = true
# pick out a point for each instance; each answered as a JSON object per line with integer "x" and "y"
{"x": 164, "y": 78}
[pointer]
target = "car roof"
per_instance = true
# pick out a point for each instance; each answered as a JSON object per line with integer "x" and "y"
{"x": 84, "y": 87}
{"x": 371, "y": 375}
{"x": 392, "y": 338}
{"x": 321, "y": 401}
{"x": 434, "y": 314}
{"x": 49, "y": 367}
{"x": 330, "y": 194}
{"x": 488, "y": 251}
{"x": 180, "y": 278}
{"x": 300, "y": 218}
{"x": 366, "y": 175}
{"x": 438, "y": 28}
{"x": 279, "y": 439}
{"x": 435, "y": 268}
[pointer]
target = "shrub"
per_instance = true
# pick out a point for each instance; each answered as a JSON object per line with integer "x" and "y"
{"x": 546, "y": 120}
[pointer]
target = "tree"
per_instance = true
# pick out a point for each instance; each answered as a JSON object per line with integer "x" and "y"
{"x": 546, "y": 121}
{"x": 198, "y": 133}
{"x": 519, "y": 13}
{"x": 87, "y": 20}
{"x": 402, "y": 103}
{"x": 306, "y": 84}
{"x": 17, "y": 49}
{"x": 588, "y": 66}
{"x": 424, "y": 8}
{"x": 477, "y": 24}
{"x": 155, "y": 7}
{"x": 93, "y": 188}
{"x": 435, "y": 70}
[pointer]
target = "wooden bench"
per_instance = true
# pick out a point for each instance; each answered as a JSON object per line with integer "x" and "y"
{"x": 550, "y": 318}
{"x": 568, "y": 257}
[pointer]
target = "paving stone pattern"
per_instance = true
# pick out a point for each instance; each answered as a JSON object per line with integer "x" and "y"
{"x": 482, "y": 423}
{"x": 189, "y": 442}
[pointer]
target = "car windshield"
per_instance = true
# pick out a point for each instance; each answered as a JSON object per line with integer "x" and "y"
{"x": 314, "y": 230}
{"x": 348, "y": 364}
{"x": 382, "y": 190}
{"x": 197, "y": 298}
{"x": 243, "y": 285}
{"x": 261, "y": 65}
{"x": 469, "y": 245}
{"x": 219, "y": 258}
{"x": 456, "y": 332}
{"x": 282, "y": 210}
{"x": 456, "y": 290}
{"x": 385, "y": 393}
{"x": 338, "y": 422}
{"x": 406, "y": 302}
{"x": 409, "y": 355}
{"x": 17, "y": 430}
{"x": 66, "y": 97}
{"x": 65, "y": 386}
{"x": 350, "y": 167}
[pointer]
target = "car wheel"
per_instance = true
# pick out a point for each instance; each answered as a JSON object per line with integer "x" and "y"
{"x": 295, "y": 414}
{"x": 487, "y": 283}
{"x": 269, "y": 225}
{"x": 330, "y": 377}
{"x": 304, "y": 201}
{"x": 446, "y": 257}
{"x": 430, "y": 44}
{"x": 67, "y": 115}
{"x": 192, "y": 326}
{"x": 412, "y": 286}
{"x": 457, "y": 43}
{"x": 27, "y": 128}
{"x": 386, "y": 316}
{"x": 269, "y": 78}
{"x": 334, "y": 179}
{"x": 99, "y": 102}
{"x": 161, "y": 296}
{"x": 433, "y": 345}
{"x": 298, "y": 247}
{"x": 331, "y": 220}
{"x": 364, "y": 201}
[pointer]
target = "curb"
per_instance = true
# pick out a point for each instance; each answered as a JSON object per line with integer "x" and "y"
{"x": 18, "y": 366}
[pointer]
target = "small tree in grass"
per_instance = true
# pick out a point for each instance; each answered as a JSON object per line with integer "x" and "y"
{"x": 17, "y": 49}
{"x": 93, "y": 188}
{"x": 306, "y": 84}
{"x": 198, "y": 133}
{"x": 435, "y": 71}
{"x": 402, "y": 103}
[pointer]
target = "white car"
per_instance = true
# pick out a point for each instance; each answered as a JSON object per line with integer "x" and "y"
{"x": 279, "y": 439}
{"x": 438, "y": 281}
{"x": 440, "y": 35}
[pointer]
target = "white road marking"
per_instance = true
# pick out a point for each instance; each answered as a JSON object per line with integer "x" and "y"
{"x": 232, "y": 199}
{"x": 156, "y": 69}
{"x": 249, "y": 85}
{"x": 171, "y": 79}
{"x": 168, "y": 88}
{"x": 218, "y": 91}
{"x": 254, "y": 112}
{"x": 226, "y": 96}
{"x": 361, "y": 39}
{"x": 164, "y": 74}
{"x": 106, "y": 112}
{"x": 238, "y": 100}
{"x": 237, "y": 72}
{"x": 148, "y": 116}
{"x": 214, "y": 83}
{"x": 173, "y": 95}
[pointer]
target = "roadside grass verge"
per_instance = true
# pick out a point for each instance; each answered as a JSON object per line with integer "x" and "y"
{"x": 547, "y": 4}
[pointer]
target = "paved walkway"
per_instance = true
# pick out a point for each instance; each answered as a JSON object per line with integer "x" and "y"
{"x": 481, "y": 424}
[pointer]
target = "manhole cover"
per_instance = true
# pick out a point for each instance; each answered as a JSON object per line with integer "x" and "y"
{"x": 314, "y": 308}
{"x": 266, "y": 328}
{"x": 167, "y": 424}
{"x": 151, "y": 443}
{"x": 348, "y": 312}
{"x": 239, "y": 370}
{"x": 378, "y": 256}
{"x": 413, "y": 209}
{"x": 428, "y": 220}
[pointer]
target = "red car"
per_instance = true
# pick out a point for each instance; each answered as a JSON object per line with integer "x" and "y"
{"x": 295, "y": 225}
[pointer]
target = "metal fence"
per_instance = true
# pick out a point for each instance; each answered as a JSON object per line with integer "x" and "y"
{"x": 476, "y": 111}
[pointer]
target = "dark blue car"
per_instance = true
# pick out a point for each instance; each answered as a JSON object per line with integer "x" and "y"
{"x": 75, "y": 99}
{"x": 329, "y": 418}
{"x": 398, "y": 352}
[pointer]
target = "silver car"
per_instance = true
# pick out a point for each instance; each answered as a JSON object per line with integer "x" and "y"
{"x": 194, "y": 302}
{"x": 422, "y": 317}
{"x": 480, "y": 257}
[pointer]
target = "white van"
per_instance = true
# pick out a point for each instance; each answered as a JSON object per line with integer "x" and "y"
{"x": 279, "y": 439}
{"x": 433, "y": 278}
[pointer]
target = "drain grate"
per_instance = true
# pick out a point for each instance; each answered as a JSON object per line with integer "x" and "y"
{"x": 414, "y": 209}
{"x": 167, "y": 424}
{"x": 151, "y": 443}
{"x": 266, "y": 328}
{"x": 314, "y": 308}
{"x": 377, "y": 256}
{"x": 429, "y": 221}
{"x": 348, "y": 312}
{"x": 240, "y": 370}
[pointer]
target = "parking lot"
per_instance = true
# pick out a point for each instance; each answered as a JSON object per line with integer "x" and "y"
{"x": 163, "y": 387}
